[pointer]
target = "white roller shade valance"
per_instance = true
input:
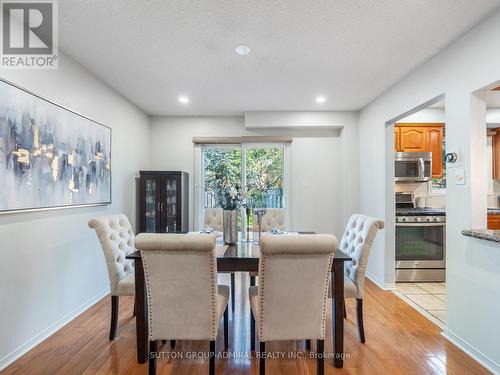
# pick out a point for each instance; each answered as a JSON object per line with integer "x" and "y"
{"x": 240, "y": 140}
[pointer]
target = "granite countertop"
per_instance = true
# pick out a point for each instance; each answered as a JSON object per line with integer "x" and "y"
{"x": 483, "y": 234}
{"x": 494, "y": 211}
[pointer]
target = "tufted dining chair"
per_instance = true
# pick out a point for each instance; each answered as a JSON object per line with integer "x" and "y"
{"x": 274, "y": 218}
{"x": 213, "y": 218}
{"x": 357, "y": 242}
{"x": 184, "y": 300}
{"x": 117, "y": 241}
{"x": 290, "y": 301}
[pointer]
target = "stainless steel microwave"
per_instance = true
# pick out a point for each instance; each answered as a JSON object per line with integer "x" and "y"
{"x": 413, "y": 166}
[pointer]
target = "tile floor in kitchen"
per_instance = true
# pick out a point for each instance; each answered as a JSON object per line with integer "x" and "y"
{"x": 430, "y": 297}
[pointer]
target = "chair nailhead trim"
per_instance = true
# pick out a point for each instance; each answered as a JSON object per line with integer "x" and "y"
{"x": 213, "y": 278}
{"x": 261, "y": 297}
{"x": 148, "y": 292}
{"x": 325, "y": 295}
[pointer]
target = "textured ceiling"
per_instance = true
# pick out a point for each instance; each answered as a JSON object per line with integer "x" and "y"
{"x": 349, "y": 51}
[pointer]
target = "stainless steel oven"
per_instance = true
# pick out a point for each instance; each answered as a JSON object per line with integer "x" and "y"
{"x": 413, "y": 166}
{"x": 420, "y": 245}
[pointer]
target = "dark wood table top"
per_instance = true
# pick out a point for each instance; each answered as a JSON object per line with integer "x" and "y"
{"x": 244, "y": 251}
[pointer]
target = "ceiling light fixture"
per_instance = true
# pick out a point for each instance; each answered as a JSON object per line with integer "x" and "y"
{"x": 242, "y": 50}
{"x": 320, "y": 99}
{"x": 183, "y": 99}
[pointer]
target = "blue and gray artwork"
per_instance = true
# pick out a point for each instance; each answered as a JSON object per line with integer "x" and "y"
{"x": 49, "y": 156}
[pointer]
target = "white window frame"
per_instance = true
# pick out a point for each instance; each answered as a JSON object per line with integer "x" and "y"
{"x": 199, "y": 180}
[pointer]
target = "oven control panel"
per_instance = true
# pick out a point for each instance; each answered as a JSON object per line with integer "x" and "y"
{"x": 421, "y": 219}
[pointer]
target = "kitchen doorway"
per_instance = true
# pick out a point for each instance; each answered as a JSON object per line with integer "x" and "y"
{"x": 419, "y": 151}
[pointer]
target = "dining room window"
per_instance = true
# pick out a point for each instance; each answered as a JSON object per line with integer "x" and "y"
{"x": 261, "y": 169}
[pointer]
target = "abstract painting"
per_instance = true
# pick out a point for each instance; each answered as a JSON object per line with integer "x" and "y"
{"x": 50, "y": 157}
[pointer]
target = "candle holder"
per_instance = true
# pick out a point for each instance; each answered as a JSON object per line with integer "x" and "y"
{"x": 259, "y": 213}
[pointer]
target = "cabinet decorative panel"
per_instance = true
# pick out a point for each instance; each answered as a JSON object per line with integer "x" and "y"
{"x": 412, "y": 139}
{"x": 397, "y": 138}
{"x": 163, "y": 202}
{"x": 435, "y": 145}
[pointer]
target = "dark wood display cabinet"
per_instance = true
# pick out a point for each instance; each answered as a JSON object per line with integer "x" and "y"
{"x": 163, "y": 202}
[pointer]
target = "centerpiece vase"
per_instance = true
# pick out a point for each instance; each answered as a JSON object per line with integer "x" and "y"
{"x": 230, "y": 223}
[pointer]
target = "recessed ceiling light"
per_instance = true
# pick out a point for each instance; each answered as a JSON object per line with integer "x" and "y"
{"x": 183, "y": 99}
{"x": 320, "y": 99}
{"x": 242, "y": 50}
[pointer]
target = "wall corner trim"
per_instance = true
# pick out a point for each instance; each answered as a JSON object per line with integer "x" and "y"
{"x": 49, "y": 331}
{"x": 470, "y": 350}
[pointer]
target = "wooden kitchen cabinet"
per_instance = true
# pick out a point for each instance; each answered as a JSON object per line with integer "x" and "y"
{"x": 493, "y": 221}
{"x": 413, "y": 137}
{"x": 397, "y": 138}
{"x": 496, "y": 154}
{"x": 434, "y": 144}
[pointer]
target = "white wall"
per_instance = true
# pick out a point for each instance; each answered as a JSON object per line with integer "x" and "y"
{"x": 427, "y": 115}
{"x": 327, "y": 160}
{"x": 473, "y": 266}
{"x": 52, "y": 264}
{"x": 296, "y": 119}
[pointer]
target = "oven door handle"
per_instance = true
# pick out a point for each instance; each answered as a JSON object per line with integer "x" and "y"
{"x": 431, "y": 224}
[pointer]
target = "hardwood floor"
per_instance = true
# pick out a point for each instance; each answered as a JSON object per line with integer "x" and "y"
{"x": 398, "y": 341}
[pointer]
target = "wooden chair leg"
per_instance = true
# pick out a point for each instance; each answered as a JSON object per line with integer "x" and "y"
{"x": 226, "y": 327}
{"x": 211, "y": 369}
{"x": 233, "y": 291}
{"x": 359, "y": 314}
{"x": 153, "y": 348}
{"x": 114, "y": 317}
{"x": 345, "y": 310}
{"x": 252, "y": 280}
{"x": 172, "y": 344}
{"x": 262, "y": 359}
{"x": 133, "y": 314}
{"x": 308, "y": 344}
{"x": 320, "y": 355}
{"x": 252, "y": 331}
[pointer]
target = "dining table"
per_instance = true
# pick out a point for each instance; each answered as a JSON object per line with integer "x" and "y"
{"x": 243, "y": 257}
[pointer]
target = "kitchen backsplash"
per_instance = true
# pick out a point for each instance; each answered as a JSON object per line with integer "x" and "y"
{"x": 493, "y": 193}
{"x": 421, "y": 189}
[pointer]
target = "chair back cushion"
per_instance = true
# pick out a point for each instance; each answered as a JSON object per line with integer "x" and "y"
{"x": 117, "y": 241}
{"x": 181, "y": 281}
{"x": 293, "y": 286}
{"x": 357, "y": 243}
{"x": 274, "y": 218}
{"x": 213, "y": 218}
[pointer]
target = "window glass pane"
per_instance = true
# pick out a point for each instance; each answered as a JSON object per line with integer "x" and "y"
{"x": 264, "y": 177}
{"x": 220, "y": 163}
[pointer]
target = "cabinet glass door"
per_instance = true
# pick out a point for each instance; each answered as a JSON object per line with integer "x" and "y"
{"x": 151, "y": 204}
{"x": 171, "y": 209}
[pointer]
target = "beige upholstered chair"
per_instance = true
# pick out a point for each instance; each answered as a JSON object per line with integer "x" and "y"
{"x": 213, "y": 218}
{"x": 290, "y": 301}
{"x": 274, "y": 218}
{"x": 184, "y": 300}
{"x": 117, "y": 241}
{"x": 357, "y": 242}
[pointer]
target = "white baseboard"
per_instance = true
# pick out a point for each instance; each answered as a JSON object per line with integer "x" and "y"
{"x": 472, "y": 351}
{"x": 49, "y": 331}
{"x": 381, "y": 283}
